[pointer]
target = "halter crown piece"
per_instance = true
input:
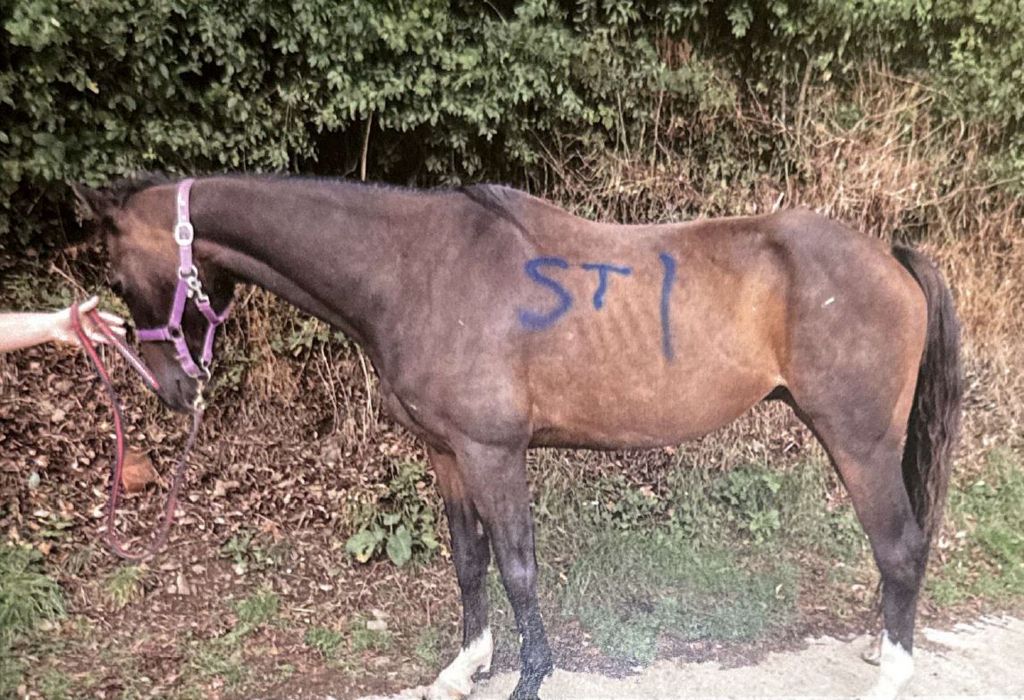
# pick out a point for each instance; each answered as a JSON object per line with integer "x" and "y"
{"x": 189, "y": 287}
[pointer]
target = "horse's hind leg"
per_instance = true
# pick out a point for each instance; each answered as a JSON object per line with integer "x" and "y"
{"x": 496, "y": 480}
{"x": 900, "y": 549}
{"x": 866, "y": 448}
{"x": 472, "y": 554}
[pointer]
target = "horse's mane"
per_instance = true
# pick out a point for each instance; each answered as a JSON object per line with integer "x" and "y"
{"x": 496, "y": 199}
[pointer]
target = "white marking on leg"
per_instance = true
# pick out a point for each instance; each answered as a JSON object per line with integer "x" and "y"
{"x": 456, "y": 681}
{"x": 896, "y": 668}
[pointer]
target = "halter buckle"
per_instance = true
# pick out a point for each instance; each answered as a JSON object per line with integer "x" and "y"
{"x": 184, "y": 233}
{"x": 194, "y": 285}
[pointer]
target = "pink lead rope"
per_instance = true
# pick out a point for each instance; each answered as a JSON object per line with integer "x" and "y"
{"x": 188, "y": 287}
{"x": 112, "y": 539}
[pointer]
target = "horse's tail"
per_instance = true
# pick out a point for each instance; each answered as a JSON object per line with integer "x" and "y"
{"x": 935, "y": 414}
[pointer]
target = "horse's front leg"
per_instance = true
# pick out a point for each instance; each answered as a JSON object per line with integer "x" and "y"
{"x": 472, "y": 555}
{"x": 495, "y": 478}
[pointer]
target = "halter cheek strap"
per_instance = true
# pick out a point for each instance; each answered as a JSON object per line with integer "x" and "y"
{"x": 189, "y": 287}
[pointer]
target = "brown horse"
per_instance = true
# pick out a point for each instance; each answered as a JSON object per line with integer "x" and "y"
{"x": 497, "y": 321}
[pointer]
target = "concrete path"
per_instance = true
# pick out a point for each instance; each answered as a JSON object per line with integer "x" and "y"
{"x": 985, "y": 658}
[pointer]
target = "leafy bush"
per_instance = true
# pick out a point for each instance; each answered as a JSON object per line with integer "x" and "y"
{"x": 617, "y": 502}
{"x": 750, "y": 496}
{"x": 445, "y": 90}
{"x": 402, "y": 523}
{"x": 94, "y": 91}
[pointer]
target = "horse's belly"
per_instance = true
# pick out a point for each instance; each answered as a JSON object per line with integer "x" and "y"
{"x": 633, "y": 411}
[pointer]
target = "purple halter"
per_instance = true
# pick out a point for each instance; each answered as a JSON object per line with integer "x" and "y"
{"x": 189, "y": 287}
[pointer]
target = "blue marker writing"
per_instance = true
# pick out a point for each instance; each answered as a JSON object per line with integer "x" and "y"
{"x": 669, "y": 263}
{"x": 602, "y": 279}
{"x": 539, "y": 321}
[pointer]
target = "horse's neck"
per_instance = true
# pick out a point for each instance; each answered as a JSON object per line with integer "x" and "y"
{"x": 329, "y": 250}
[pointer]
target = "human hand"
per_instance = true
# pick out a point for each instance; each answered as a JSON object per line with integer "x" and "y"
{"x": 62, "y": 330}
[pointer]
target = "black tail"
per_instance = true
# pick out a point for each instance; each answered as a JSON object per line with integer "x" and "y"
{"x": 935, "y": 416}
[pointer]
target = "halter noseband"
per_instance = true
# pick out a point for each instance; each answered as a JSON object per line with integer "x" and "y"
{"x": 189, "y": 287}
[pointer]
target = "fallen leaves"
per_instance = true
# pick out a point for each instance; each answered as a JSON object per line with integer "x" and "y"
{"x": 138, "y": 471}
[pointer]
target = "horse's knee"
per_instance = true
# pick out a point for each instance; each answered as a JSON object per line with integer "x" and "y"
{"x": 519, "y": 573}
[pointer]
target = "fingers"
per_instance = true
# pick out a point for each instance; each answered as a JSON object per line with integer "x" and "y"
{"x": 88, "y": 305}
{"x": 98, "y": 336}
{"x": 112, "y": 320}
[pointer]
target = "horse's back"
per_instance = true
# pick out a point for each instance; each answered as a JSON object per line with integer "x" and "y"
{"x": 591, "y": 334}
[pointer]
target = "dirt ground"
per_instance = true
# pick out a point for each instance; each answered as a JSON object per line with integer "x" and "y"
{"x": 965, "y": 660}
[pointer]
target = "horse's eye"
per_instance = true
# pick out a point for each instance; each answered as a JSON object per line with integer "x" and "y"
{"x": 117, "y": 286}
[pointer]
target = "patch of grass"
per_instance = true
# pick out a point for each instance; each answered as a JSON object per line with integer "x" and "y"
{"x": 255, "y": 611}
{"x": 363, "y": 638}
{"x": 428, "y": 646}
{"x": 628, "y": 588}
{"x": 249, "y": 553}
{"x": 124, "y": 586}
{"x": 12, "y": 670}
{"x": 80, "y": 559}
{"x": 752, "y": 505}
{"x": 223, "y": 657}
{"x": 218, "y": 658}
{"x": 988, "y": 560}
{"x": 323, "y": 640}
{"x": 691, "y": 552}
{"x": 54, "y": 685}
{"x": 28, "y": 596}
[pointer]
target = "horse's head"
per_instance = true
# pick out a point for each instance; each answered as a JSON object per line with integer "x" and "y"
{"x": 138, "y": 220}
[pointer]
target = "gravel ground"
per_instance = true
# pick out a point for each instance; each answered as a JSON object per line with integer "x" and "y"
{"x": 983, "y": 658}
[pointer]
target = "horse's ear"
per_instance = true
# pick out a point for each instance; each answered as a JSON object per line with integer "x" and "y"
{"x": 90, "y": 204}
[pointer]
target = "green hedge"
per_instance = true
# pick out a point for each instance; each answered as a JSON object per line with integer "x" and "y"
{"x": 94, "y": 89}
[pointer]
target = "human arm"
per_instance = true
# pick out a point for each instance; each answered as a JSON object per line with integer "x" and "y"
{"x": 23, "y": 330}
